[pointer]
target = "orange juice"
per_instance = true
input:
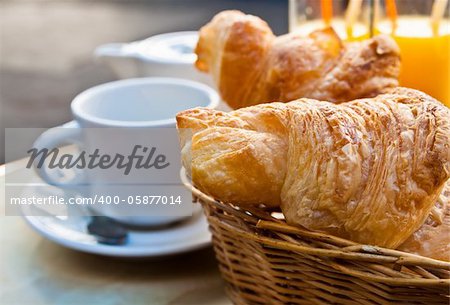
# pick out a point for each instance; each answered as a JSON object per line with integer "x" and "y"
{"x": 359, "y": 31}
{"x": 425, "y": 57}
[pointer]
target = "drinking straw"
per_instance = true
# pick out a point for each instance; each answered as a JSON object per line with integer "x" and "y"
{"x": 351, "y": 14}
{"x": 391, "y": 12}
{"x": 372, "y": 8}
{"x": 374, "y": 15}
{"x": 326, "y": 7}
{"x": 437, "y": 13}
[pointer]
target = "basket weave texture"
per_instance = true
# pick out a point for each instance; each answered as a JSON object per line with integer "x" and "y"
{"x": 265, "y": 261}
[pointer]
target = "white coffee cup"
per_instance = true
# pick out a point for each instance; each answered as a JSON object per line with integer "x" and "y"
{"x": 124, "y": 106}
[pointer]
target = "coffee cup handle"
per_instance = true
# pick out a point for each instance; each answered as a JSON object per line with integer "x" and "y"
{"x": 69, "y": 133}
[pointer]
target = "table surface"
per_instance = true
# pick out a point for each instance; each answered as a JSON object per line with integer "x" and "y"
{"x": 37, "y": 271}
{"x": 40, "y": 75}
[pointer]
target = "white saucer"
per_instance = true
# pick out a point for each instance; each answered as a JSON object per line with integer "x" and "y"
{"x": 71, "y": 231}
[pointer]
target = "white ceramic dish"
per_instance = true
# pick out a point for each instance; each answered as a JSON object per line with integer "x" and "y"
{"x": 70, "y": 232}
{"x": 129, "y": 111}
{"x": 166, "y": 55}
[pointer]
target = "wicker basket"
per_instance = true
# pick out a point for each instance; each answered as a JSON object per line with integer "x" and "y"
{"x": 265, "y": 261}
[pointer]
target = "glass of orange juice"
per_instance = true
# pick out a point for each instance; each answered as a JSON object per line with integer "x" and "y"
{"x": 306, "y": 16}
{"x": 424, "y": 45}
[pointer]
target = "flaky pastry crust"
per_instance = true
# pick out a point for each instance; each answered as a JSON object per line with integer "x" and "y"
{"x": 250, "y": 65}
{"x": 369, "y": 170}
{"x": 432, "y": 239}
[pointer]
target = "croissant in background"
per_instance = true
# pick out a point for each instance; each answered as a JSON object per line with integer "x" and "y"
{"x": 250, "y": 65}
{"x": 369, "y": 170}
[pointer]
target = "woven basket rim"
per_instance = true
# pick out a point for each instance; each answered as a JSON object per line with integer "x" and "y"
{"x": 348, "y": 250}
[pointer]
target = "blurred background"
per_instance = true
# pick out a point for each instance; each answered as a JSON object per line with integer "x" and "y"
{"x": 46, "y": 47}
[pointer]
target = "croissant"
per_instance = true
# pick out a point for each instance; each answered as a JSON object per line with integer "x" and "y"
{"x": 250, "y": 65}
{"x": 433, "y": 237}
{"x": 368, "y": 170}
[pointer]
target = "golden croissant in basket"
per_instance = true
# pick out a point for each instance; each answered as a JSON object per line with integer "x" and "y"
{"x": 433, "y": 237}
{"x": 369, "y": 170}
{"x": 250, "y": 65}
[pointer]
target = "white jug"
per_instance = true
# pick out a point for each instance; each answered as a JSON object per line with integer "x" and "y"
{"x": 166, "y": 55}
